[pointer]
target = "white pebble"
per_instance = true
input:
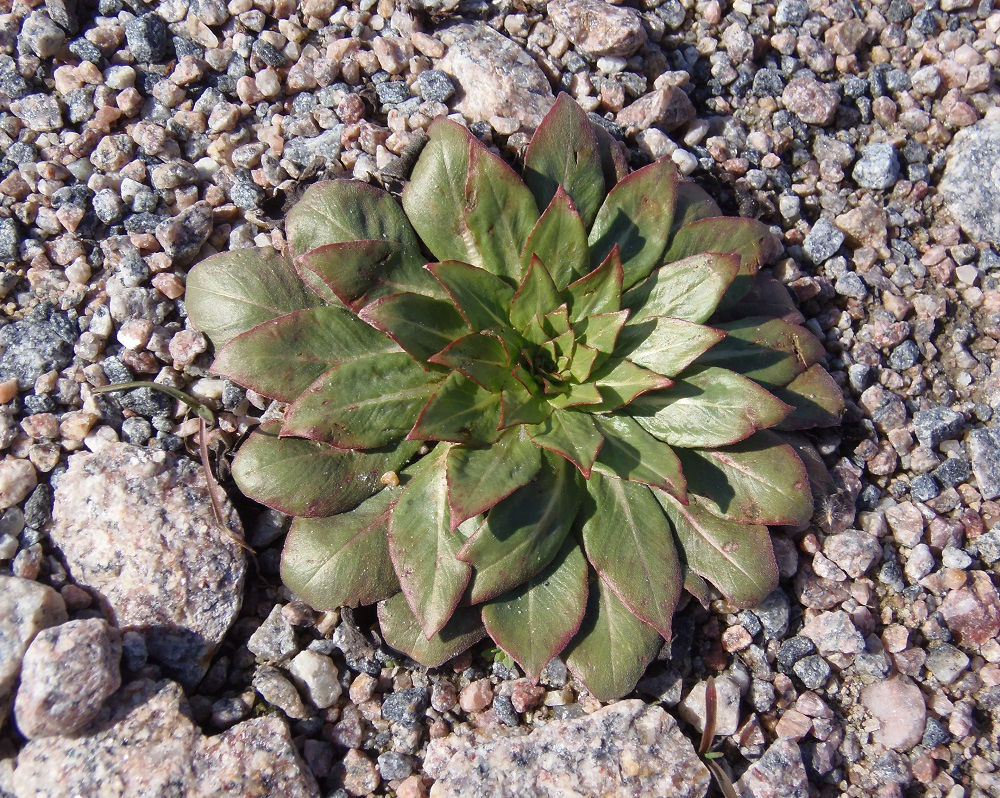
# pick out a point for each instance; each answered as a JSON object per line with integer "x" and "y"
{"x": 684, "y": 160}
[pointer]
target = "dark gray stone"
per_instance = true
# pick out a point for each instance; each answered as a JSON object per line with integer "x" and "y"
{"x": 988, "y": 546}
{"x": 791, "y": 12}
{"x": 970, "y": 189}
{"x": 435, "y": 86}
{"x": 953, "y": 472}
{"x": 793, "y": 650}
{"x": 936, "y": 425}
{"x": 904, "y": 356}
{"x": 813, "y": 671}
{"x": 504, "y": 709}
{"x": 146, "y": 37}
{"x": 924, "y": 488}
{"x": 773, "y": 612}
{"x": 392, "y": 765}
{"x": 41, "y": 342}
{"x": 406, "y": 707}
{"x": 392, "y": 92}
{"x": 984, "y": 449}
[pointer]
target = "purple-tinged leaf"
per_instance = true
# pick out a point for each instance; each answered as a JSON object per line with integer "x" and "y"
{"x": 482, "y": 298}
{"x": 767, "y": 297}
{"x": 308, "y": 478}
{"x": 461, "y": 412}
{"x": 479, "y": 478}
{"x": 598, "y": 292}
{"x": 536, "y": 296}
{"x": 520, "y": 406}
{"x": 522, "y": 534}
{"x": 423, "y": 546}
{"x": 420, "y": 325}
{"x": 757, "y": 481}
{"x": 342, "y": 560}
{"x": 362, "y": 404}
{"x": 690, "y": 289}
{"x": 737, "y": 558}
{"x": 708, "y": 407}
{"x": 621, "y": 381}
{"x": 629, "y": 452}
{"x": 564, "y": 153}
{"x": 699, "y": 589}
{"x": 693, "y": 203}
{"x": 614, "y": 163}
{"x": 500, "y": 212}
{"x": 630, "y": 543}
{"x": 402, "y": 632}
{"x": 481, "y": 358}
{"x": 665, "y": 345}
{"x": 601, "y": 331}
{"x": 636, "y": 216}
{"x": 816, "y": 397}
{"x": 577, "y": 395}
{"x": 536, "y": 620}
{"x": 232, "y": 292}
{"x": 560, "y": 239}
{"x": 282, "y": 357}
{"x": 569, "y": 434}
{"x": 612, "y": 649}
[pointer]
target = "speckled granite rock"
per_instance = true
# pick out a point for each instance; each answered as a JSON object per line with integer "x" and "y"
{"x": 67, "y": 674}
{"x": 136, "y": 528}
{"x": 599, "y": 28}
{"x": 144, "y": 744}
{"x": 495, "y": 75}
{"x": 971, "y": 182}
{"x": 626, "y": 750}
{"x": 778, "y": 774}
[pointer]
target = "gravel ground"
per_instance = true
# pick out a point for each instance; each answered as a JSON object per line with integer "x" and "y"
{"x": 137, "y": 139}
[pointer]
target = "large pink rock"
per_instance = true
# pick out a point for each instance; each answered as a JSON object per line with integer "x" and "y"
{"x": 972, "y": 612}
{"x": 898, "y": 706}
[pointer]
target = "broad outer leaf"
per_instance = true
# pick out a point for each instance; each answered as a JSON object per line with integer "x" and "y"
{"x": 343, "y": 559}
{"x": 522, "y": 534}
{"x": 630, "y": 543}
{"x": 757, "y": 481}
{"x": 424, "y": 549}
{"x": 767, "y": 297}
{"x": 612, "y": 649}
{"x": 282, "y": 357}
{"x": 500, "y": 212}
{"x": 636, "y": 215}
{"x": 534, "y": 622}
{"x": 693, "y": 203}
{"x": 564, "y": 152}
{"x": 308, "y": 478}
{"x": 598, "y": 292}
{"x": 708, "y": 407}
{"x": 621, "y": 381}
{"x": 434, "y": 199}
{"x": 460, "y": 411}
{"x": 569, "y": 434}
{"x": 480, "y": 478}
{"x": 690, "y": 289}
{"x": 402, "y": 631}
{"x": 769, "y": 351}
{"x": 482, "y": 298}
{"x": 559, "y": 240}
{"x": 232, "y": 292}
{"x": 665, "y": 345}
{"x": 629, "y": 452}
{"x": 737, "y": 558}
{"x": 537, "y": 296}
{"x": 362, "y": 404}
{"x": 816, "y": 397}
{"x": 420, "y": 325}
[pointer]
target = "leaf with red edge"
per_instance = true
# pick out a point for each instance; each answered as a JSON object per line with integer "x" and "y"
{"x": 757, "y": 481}
{"x": 564, "y": 152}
{"x": 621, "y": 381}
{"x": 520, "y": 406}
{"x": 460, "y": 411}
{"x": 630, "y": 543}
{"x": 598, "y": 292}
{"x": 614, "y": 163}
{"x": 342, "y": 560}
{"x": 690, "y": 289}
{"x": 693, "y": 203}
{"x": 482, "y": 298}
{"x": 665, "y": 345}
{"x": 479, "y": 478}
{"x": 402, "y": 632}
{"x": 629, "y": 452}
{"x": 481, "y": 358}
{"x": 500, "y": 211}
{"x": 569, "y": 434}
{"x": 636, "y": 216}
{"x": 535, "y": 621}
{"x": 577, "y": 395}
{"x": 420, "y": 325}
{"x": 536, "y": 296}
{"x": 816, "y": 397}
{"x": 423, "y": 546}
{"x": 559, "y": 239}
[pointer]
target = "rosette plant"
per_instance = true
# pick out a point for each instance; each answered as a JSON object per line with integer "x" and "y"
{"x": 534, "y": 409}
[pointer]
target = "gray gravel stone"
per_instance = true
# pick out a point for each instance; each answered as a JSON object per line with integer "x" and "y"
{"x": 970, "y": 186}
{"x": 953, "y": 472}
{"x": 41, "y": 35}
{"x": 878, "y": 167}
{"x": 183, "y": 235}
{"x": 904, "y": 356}
{"x": 146, "y": 37}
{"x": 791, "y": 12}
{"x": 984, "y": 449}
{"x": 780, "y": 772}
{"x": 274, "y": 640}
{"x": 813, "y": 671}
{"x": 823, "y": 241}
{"x": 406, "y": 707}
{"x": 392, "y": 765}
{"x": 277, "y": 690}
{"x": 936, "y": 425}
{"x": 792, "y": 650}
{"x": 40, "y": 112}
{"x": 41, "y": 342}
{"x": 851, "y": 285}
{"x": 946, "y": 662}
{"x": 392, "y": 92}
{"x": 10, "y": 236}
{"x": 988, "y": 546}
{"x": 773, "y": 612}
{"x": 435, "y": 86}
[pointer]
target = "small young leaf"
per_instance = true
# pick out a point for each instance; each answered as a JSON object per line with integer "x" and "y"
{"x": 519, "y": 406}
{"x": 460, "y": 411}
{"x": 629, "y": 452}
{"x": 481, "y": 358}
{"x": 665, "y": 345}
{"x": 816, "y": 397}
{"x": 559, "y": 239}
{"x": 582, "y": 364}
{"x": 571, "y": 435}
{"x": 402, "y": 632}
{"x": 420, "y": 325}
{"x": 482, "y": 298}
{"x": 536, "y": 296}
{"x": 690, "y": 289}
{"x": 598, "y": 292}
{"x": 601, "y": 331}
{"x": 577, "y": 395}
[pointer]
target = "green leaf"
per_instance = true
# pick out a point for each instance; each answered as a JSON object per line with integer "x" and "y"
{"x": 737, "y": 558}
{"x": 601, "y": 330}
{"x": 481, "y": 358}
{"x": 598, "y": 292}
{"x": 344, "y": 559}
{"x": 621, "y": 381}
{"x": 564, "y": 153}
{"x": 665, "y": 345}
{"x": 560, "y": 240}
{"x": 629, "y": 452}
{"x": 767, "y": 297}
{"x": 769, "y": 351}
{"x": 460, "y": 411}
{"x": 232, "y": 292}
{"x": 630, "y": 543}
{"x": 282, "y": 357}
{"x": 571, "y": 435}
{"x": 423, "y": 546}
{"x": 480, "y": 478}
{"x": 816, "y": 397}
{"x": 744, "y": 237}
{"x": 402, "y": 632}
{"x": 362, "y": 404}
{"x": 693, "y": 203}
{"x": 757, "y": 481}
{"x": 519, "y": 406}
{"x": 522, "y": 534}
{"x": 535, "y": 621}
{"x": 577, "y": 395}
{"x": 614, "y": 163}
{"x": 612, "y": 649}
{"x": 500, "y": 212}
{"x": 556, "y": 322}
{"x": 482, "y": 298}
{"x": 709, "y": 407}
{"x": 690, "y": 289}
{"x": 536, "y": 296}
{"x": 636, "y": 215}
{"x": 308, "y": 478}
{"x": 582, "y": 364}
{"x": 420, "y": 325}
